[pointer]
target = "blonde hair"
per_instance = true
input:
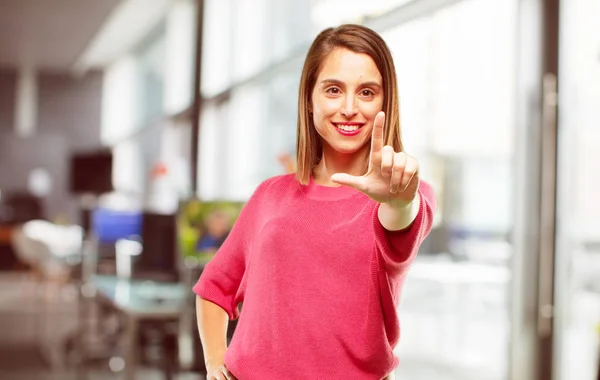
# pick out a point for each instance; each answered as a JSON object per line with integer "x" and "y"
{"x": 357, "y": 39}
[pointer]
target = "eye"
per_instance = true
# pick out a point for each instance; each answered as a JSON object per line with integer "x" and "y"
{"x": 367, "y": 93}
{"x": 333, "y": 91}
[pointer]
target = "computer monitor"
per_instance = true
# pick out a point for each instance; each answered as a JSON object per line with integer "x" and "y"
{"x": 91, "y": 172}
{"x": 110, "y": 225}
{"x": 159, "y": 257}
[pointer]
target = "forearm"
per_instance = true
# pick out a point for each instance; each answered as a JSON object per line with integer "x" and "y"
{"x": 395, "y": 217}
{"x": 212, "y": 325}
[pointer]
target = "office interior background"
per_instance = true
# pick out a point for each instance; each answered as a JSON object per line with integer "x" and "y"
{"x": 196, "y": 99}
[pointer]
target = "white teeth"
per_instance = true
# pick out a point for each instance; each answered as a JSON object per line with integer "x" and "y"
{"x": 347, "y": 128}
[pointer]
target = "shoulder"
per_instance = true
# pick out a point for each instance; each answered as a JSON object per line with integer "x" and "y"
{"x": 277, "y": 183}
{"x": 271, "y": 189}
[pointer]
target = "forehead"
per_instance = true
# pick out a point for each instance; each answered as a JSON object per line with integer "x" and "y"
{"x": 348, "y": 66}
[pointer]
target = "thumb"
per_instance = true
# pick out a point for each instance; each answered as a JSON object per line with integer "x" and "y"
{"x": 348, "y": 180}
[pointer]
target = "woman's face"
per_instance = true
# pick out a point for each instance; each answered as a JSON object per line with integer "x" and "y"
{"x": 347, "y": 96}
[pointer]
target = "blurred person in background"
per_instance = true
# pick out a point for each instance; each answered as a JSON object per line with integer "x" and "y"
{"x": 215, "y": 230}
{"x": 318, "y": 257}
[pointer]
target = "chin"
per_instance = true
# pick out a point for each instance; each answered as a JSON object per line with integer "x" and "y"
{"x": 347, "y": 148}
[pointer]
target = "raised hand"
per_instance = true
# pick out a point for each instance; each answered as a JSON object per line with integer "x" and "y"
{"x": 392, "y": 177}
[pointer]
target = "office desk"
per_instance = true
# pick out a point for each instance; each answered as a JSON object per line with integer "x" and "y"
{"x": 139, "y": 300}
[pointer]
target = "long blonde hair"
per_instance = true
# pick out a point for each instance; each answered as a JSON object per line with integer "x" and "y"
{"x": 357, "y": 39}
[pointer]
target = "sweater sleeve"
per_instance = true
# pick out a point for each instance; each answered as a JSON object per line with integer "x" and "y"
{"x": 399, "y": 248}
{"x": 221, "y": 279}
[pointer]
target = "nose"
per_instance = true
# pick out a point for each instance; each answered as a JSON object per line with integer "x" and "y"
{"x": 349, "y": 108}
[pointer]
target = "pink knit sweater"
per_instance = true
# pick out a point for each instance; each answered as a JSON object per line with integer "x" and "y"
{"x": 319, "y": 278}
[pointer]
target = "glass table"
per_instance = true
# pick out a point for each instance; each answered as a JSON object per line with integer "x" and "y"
{"x": 138, "y": 300}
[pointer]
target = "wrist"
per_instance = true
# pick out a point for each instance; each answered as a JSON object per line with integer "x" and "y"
{"x": 215, "y": 360}
{"x": 399, "y": 204}
{"x": 398, "y": 215}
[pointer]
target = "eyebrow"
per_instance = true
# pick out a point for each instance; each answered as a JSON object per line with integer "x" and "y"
{"x": 339, "y": 82}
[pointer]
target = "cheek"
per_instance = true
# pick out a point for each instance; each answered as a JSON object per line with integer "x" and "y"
{"x": 370, "y": 109}
{"x": 325, "y": 106}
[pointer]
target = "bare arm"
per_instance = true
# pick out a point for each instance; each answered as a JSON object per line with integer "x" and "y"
{"x": 212, "y": 325}
{"x": 398, "y": 217}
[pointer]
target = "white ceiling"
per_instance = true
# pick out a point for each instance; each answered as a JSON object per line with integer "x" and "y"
{"x": 49, "y": 34}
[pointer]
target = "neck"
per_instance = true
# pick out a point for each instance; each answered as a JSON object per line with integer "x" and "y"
{"x": 335, "y": 162}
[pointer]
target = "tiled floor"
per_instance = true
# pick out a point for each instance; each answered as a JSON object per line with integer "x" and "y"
{"x": 452, "y": 324}
{"x": 421, "y": 350}
{"x": 447, "y": 334}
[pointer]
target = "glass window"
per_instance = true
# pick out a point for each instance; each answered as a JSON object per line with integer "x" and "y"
{"x": 473, "y": 79}
{"x": 251, "y": 26}
{"x": 245, "y": 132}
{"x": 577, "y": 289}
{"x": 280, "y": 131}
{"x": 326, "y": 13}
{"x": 121, "y": 113}
{"x": 411, "y": 48}
{"x": 456, "y": 78}
{"x": 217, "y": 54}
{"x": 180, "y": 56}
{"x": 290, "y": 29}
{"x": 128, "y": 168}
{"x": 212, "y": 150}
{"x": 152, "y": 72}
{"x": 243, "y": 136}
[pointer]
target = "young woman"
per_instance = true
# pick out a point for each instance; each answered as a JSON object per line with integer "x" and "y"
{"x": 318, "y": 258}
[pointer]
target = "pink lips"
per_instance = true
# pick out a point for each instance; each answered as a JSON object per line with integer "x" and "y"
{"x": 348, "y": 133}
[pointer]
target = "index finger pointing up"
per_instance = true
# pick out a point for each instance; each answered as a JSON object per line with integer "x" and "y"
{"x": 377, "y": 137}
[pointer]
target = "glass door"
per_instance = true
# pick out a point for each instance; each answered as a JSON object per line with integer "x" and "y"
{"x": 577, "y": 281}
{"x": 457, "y": 78}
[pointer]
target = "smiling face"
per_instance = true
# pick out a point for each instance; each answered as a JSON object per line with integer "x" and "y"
{"x": 347, "y": 96}
{"x": 350, "y": 56}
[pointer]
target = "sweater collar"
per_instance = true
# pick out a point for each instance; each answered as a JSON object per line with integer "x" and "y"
{"x": 321, "y": 192}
